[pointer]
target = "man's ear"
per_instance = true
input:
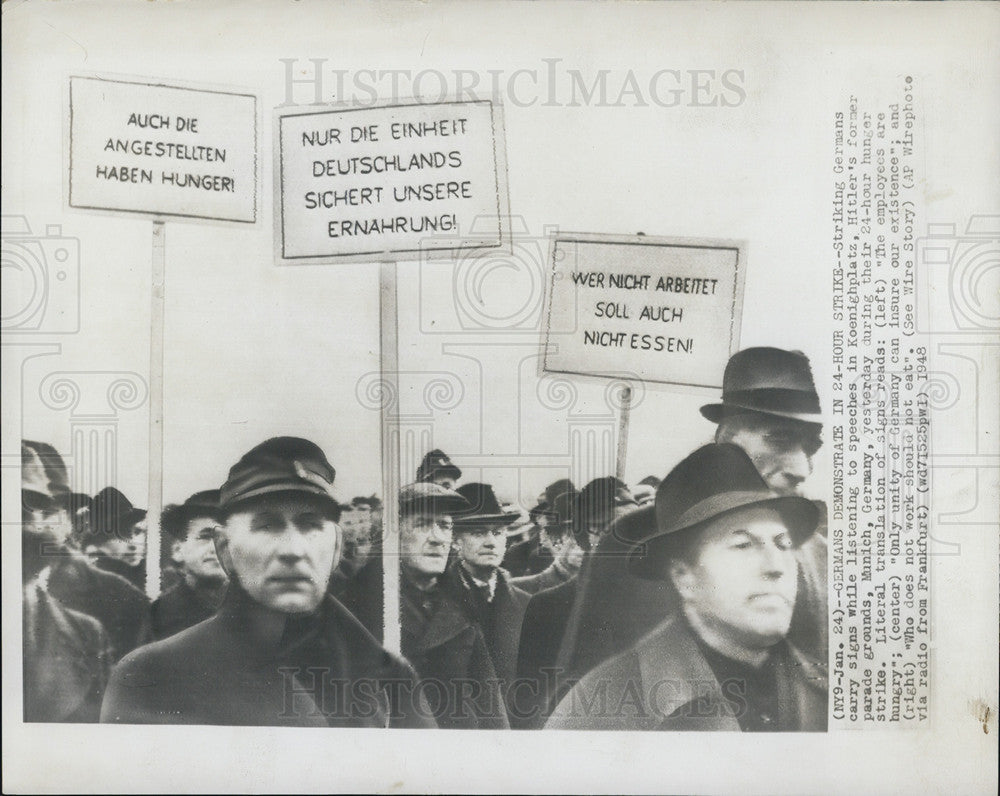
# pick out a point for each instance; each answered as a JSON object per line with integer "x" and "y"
{"x": 175, "y": 550}
{"x": 222, "y": 550}
{"x": 681, "y": 576}
{"x": 338, "y": 551}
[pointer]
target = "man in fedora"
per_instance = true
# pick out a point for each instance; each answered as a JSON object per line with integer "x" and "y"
{"x": 770, "y": 408}
{"x": 189, "y": 529}
{"x": 533, "y": 554}
{"x": 477, "y": 581}
{"x": 67, "y": 654}
{"x": 437, "y": 468}
{"x": 725, "y": 542}
{"x": 280, "y": 651}
{"x": 117, "y": 539}
{"x": 75, "y": 582}
{"x": 568, "y": 555}
{"x": 546, "y": 626}
{"x": 445, "y": 645}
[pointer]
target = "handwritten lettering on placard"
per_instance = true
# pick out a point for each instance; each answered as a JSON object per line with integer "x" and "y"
{"x": 163, "y": 150}
{"x": 664, "y": 311}
{"x": 392, "y": 180}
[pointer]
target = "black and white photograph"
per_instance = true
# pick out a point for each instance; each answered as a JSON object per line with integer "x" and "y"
{"x": 432, "y": 397}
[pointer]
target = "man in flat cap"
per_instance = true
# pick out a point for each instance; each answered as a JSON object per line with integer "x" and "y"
{"x": 75, "y": 582}
{"x": 437, "y": 468}
{"x": 279, "y": 652}
{"x": 725, "y": 543}
{"x": 67, "y": 654}
{"x": 446, "y": 646}
{"x": 477, "y": 581}
{"x": 189, "y": 529}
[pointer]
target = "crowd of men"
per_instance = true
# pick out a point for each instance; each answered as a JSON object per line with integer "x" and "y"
{"x": 695, "y": 601}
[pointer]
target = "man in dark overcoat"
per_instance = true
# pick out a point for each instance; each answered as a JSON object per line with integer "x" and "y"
{"x": 280, "y": 651}
{"x": 726, "y": 544}
{"x": 446, "y": 646}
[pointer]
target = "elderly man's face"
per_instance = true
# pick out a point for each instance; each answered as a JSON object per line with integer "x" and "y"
{"x": 424, "y": 540}
{"x": 282, "y": 549}
{"x": 743, "y": 580}
{"x": 482, "y": 546}
{"x": 781, "y": 449}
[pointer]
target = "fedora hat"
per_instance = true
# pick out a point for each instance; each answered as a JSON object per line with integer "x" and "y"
{"x": 547, "y": 498}
{"x": 436, "y": 462}
{"x": 112, "y": 513}
{"x": 484, "y": 508}
{"x": 175, "y": 518}
{"x": 280, "y": 464}
{"x": 596, "y": 502}
{"x": 714, "y": 480}
{"x": 768, "y": 380}
{"x": 52, "y": 471}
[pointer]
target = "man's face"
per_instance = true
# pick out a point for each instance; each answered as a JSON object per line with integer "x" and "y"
{"x": 780, "y": 448}
{"x": 568, "y": 551}
{"x": 129, "y": 547}
{"x": 44, "y": 529}
{"x": 743, "y": 582}
{"x": 598, "y": 527}
{"x": 443, "y": 480}
{"x": 482, "y": 546}
{"x": 196, "y": 554}
{"x": 46, "y": 522}
{"x": 424, "y": 540}
{"x": 282, "y": 550}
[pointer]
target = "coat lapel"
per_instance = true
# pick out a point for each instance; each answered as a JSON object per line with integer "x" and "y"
{"x": 679, "y": 683}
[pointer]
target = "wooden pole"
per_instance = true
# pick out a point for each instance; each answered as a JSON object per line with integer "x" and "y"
{"x": 623, "y": 420}
{"x": 155, "y": 411}
{"x": 389, "y": 366}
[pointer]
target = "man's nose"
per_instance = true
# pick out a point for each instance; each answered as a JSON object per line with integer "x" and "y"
{"x": 775, "y": 561}
{"x": 796, "y": 467}
{"x": 291, "y": 544}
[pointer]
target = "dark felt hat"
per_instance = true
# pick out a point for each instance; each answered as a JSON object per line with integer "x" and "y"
{"x": 714, "y": 480}
{"x": 768, "y": 380}
{"x": 281, "y": 464}
{"x": 175, "y": 518}
{"x": 596, "y": 502}
{"x": 52, "y": 472}
{"x": 552, "y": 491}
{"x": 430, "y": 498}
{"x": 484, "y": 508}
{"x": 436, "y": 462}
{"x": 113, "y": 513}
{"x": 36, "y": 491}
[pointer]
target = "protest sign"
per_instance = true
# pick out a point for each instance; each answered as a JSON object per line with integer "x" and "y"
{"x": 163, "y": 150}
{"x": 388, "y": 182}
{"x": 657, "y": 309}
